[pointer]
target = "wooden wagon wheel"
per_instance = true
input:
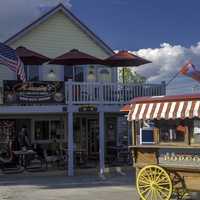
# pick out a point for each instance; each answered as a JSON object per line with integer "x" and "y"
{"x": 154, "y": 183}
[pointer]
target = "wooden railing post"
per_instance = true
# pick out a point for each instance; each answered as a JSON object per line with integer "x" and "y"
{"x": 70, "y": 92}
{"x": 101, "y": 93}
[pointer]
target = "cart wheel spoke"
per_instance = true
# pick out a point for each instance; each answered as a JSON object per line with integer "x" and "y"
{"x": 162, "y": 192}
{"x": 153, "y": 183}
{"x": 144, "y": 181}
{"x": 147, "y": 195}
{"x": 145, "y": 191}
{"x": 158, "y": 195}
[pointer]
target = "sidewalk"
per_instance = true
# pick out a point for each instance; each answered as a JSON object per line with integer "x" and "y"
{"x": 78, "y": 172}
{"x": 59, "y": 187}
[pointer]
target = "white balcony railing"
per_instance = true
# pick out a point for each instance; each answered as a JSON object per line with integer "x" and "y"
{"x": 109, "y": 93}
{"x": 101, "y": 93}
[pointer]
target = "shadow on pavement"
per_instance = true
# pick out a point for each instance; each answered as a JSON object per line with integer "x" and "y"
{"x": 62, "y": 181}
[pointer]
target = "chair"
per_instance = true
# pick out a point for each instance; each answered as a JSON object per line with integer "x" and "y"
{"x": 36, "y": 162}
{"x": 55, "y": 155}
{"x": 8, "y": 162}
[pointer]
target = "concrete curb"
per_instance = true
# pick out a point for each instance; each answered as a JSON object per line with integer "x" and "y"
{"x": 121, "y": 170}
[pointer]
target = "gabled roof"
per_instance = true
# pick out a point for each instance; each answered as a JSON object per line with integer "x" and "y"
{"x": 72, "y": 17}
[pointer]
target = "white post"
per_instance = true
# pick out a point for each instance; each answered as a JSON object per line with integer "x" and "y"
{"x": 101, "y": 143}
{"x": 70, "y": 132}
{"x": 70, "y": 144}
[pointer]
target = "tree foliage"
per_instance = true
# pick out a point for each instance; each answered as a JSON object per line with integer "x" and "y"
{"x": 130, "y": 76}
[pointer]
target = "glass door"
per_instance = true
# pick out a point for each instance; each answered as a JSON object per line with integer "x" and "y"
{"x": 93, "y": 137}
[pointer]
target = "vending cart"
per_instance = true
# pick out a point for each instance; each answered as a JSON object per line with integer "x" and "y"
{"x": 166, "y": 145}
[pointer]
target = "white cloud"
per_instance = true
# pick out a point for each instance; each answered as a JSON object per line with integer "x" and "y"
{"x": 166, "y": 62}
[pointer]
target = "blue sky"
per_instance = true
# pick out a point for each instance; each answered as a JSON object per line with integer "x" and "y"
{"x": 164, "y": 31}
{"x": 135, "y": 24}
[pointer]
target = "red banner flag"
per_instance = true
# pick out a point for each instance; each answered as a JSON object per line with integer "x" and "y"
{"x": 190, "y": 70}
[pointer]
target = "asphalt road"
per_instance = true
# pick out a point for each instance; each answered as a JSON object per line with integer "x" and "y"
{"x": 19, "y": 187}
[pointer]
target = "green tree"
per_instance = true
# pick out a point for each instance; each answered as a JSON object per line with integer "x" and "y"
{"x": 126, "y": 75}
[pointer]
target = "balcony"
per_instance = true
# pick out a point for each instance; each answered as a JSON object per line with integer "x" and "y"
{"x": 108, "y": 93}
{"x": 15, "y": 93}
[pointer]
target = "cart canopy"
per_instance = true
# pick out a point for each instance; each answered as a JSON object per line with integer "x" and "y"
{"x": 164, "y": 107}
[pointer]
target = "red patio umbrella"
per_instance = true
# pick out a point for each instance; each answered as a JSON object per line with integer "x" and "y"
{"x": 76, "y": 57}
{"x": 125, "y": 59}
{"x": 30, "y": 57}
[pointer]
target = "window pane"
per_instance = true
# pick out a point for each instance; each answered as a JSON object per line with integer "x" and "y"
{"x": 41, "y": 130}
{"x": 57, "y": 129}
{"x": 32, "y": 72}
{"x": 78, "y": 74}
{"x": 68, "y": 72}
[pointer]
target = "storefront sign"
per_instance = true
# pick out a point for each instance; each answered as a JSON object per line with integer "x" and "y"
{"x": 33, "y": 92}
{"x": 88, "y": 108}
{"x": 180, "y": 157}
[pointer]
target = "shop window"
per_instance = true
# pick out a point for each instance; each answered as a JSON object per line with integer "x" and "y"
{"x": 41, "y": 130}
{"x": 122, "y": 131}
{"x": 7, "y": 130}
{"x": 57, "y": 129}
{"x": 49, "y": 130}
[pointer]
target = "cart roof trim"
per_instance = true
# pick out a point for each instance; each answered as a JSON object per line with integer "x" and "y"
{"x": 164, "y": 107}
{"x": 152, "y": 99}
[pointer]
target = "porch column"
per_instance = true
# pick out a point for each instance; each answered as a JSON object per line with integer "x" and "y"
{"x": 101, "y": 143}
{"x": 70, "y": 132}
{"x": 70, "y": 144}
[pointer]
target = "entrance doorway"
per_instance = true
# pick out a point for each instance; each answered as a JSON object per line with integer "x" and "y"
{"x": 86, "y": 136}
{"x": 93, "y": 138}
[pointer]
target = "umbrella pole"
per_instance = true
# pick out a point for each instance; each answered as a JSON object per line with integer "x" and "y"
{"x": 123, "y": 75}
{"x": 123, "y": 81}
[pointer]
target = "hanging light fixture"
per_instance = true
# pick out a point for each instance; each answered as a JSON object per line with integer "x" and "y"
{"x": 51, "y": 75}
{"x": 91, "y": 74}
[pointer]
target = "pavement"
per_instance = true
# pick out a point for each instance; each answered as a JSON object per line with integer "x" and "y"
{"x": 57, "y": 186}
{"x": 61, "y": 187}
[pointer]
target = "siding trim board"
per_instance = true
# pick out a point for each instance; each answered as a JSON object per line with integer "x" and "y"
{"x": 50, "y": 109}
{"x": 72, "y": 17}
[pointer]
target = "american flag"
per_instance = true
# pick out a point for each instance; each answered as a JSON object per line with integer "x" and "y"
{"x": 9, "y": 58}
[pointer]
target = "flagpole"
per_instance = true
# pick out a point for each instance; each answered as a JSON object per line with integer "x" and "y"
{"x": 172, "y": 78}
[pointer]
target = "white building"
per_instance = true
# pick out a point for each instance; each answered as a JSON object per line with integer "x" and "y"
{"x": 83, "y": 113}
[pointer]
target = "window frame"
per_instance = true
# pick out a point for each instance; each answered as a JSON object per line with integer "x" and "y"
{"x": 49, "y": 140}
{"x": 28, "y": 72}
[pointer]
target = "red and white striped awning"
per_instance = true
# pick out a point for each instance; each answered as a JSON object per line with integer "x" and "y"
{"x": 164, "y": 109}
